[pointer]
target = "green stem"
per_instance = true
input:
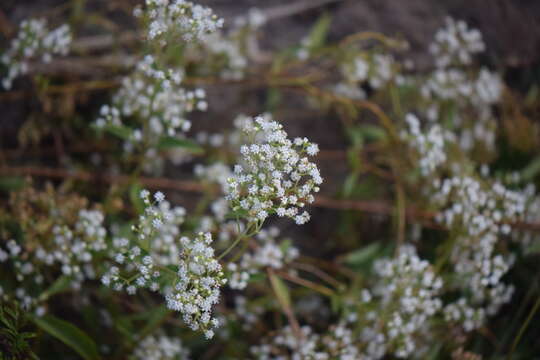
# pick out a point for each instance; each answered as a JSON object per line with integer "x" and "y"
{"x": 524, "y": 327}
{"x": 232, "y": 246}
{"x": 235, "y": 242}
{"x": 245, "y": 234}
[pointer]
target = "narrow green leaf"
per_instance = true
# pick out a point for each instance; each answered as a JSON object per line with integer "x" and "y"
{"x": 70, "y": 335}
{"x": 273, "y": 100}
{"x": 531, "y": 170}
{"x": 11, "y": 183}
{"x": 61, "y": 284}
{"x": 123, "y": 132}
{"x": 372, "y": 132}
{"x": 135, "y": 197}
{"x": 170, "y": 142}
{"x": 238, "y": 214}
{"x": 363, "y": 255}
{"x": 285, "y": 245}
{"x": 257, "y": 277}
{"x": 350, "y": 184}
{"x": 281, "y": 290}
{"x": 318, "y": 33}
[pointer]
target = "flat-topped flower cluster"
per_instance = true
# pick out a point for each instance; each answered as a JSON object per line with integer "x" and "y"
{"x": 34, "y": 41}
{"x": 275, "y": 175}
{"x": 169, "y": 19}
{"x": 406, "y": 294}
{"x": 63, "y": 238}
{"x": 152, "y": 104}
{"x": 197, "y": 288}
{"x": 190, "y": 280}
{"x": 430, "y": 145}
{"x": 456, "y": 43}
{"x": 161, "y": 347}
{"x": 338, "y": 343}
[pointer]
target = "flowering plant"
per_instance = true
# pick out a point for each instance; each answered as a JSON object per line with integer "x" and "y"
{"x": 410, "y": 232}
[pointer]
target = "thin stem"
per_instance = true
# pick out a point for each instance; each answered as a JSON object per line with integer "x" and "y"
{"x": 524, "y": 327}
{"x": 244, "y": 234}
{"x": 307, "y": 283}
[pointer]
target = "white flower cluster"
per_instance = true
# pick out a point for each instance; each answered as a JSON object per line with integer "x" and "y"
{"x": 455, "y": 84}
{"x": 153, "y": 100}
{"x": 171, "y": 18}
{"x": 478, "y": 94}
{"x": 157, "y": 231}
{"x": 338, "y": 343}
{"x": 189, "y": 281}
{"x": 71, "y": 250}
{"x": 254, "y": 19}
{"x": 197, "y": 287}
{"x": 34, "y": 42}
{"x": 267, "y": 253}
{"x": 134, "y": 269}
{"x": 429, "y": 145}
{"x": 217, "y": 172}
{"x": 406, "y": 294}
{"x": 76, "y": 247}
{"x": 230, "y": 48}
{"x": 456, "y": 43}
{"x": 351, "y": 91}
{"x": 459, "y": 312}
{"x": 160, "y": 226}
{"x": 476, "y": 91}
{"x": 161, "y": 347}
{"x": 481, "y": 213}
{"x": 377, "y": 70}
{"x": 276, "y": 175}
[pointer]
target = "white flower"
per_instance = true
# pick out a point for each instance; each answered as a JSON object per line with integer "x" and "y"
{"x": 161, "y": 347}
{"x": 179, "y": 17}
{"x": 159, "y": 197}
{"x": 275, "y": 175}
{"x": 198, "y": 284}
{"x": 34, "y": 41}
{"x": 456, "y": 44}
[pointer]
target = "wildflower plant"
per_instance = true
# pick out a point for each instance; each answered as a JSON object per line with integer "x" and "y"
{"x": 275, "y": 176}
{"x": 34, "y": 41}
{"x": 170, "y": 19}
{"x": 421, "y": 239}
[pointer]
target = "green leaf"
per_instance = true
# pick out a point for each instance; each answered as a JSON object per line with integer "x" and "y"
{"x": 372, "y": 132}
{"x": 356, "y": 136}
{"x": 123, "y": 132}
{"x": 70, "y": 335}
{"x": 60, "y": 285}
{"x": 135, "y": 197}
{"x": 281, "y": 290}
{"x": 11, "y": 183}
{"x": 285, "y": 245}
{"x": 273, "y": 100}
{"x": 256, "y": 277}
{"x": 237, "y": 214}
{"x": 531, "y": 170}
{"x": 336, "y": 303}
{"x": 169, "y": 142}
{"x": 317, "y": 35}
{"x": 363, "y": 255}
{"x": 350, "y": 184}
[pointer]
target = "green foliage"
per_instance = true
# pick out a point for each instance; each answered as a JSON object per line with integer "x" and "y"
{"x": 170, "y": 142}
{"x": 69, "y": 334}
{"x": 15, "y": 342}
